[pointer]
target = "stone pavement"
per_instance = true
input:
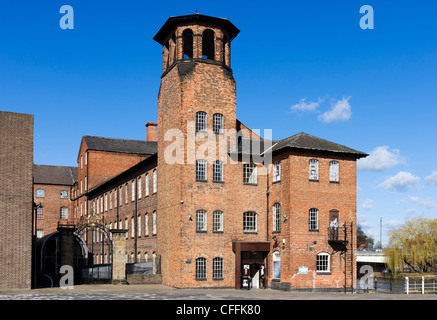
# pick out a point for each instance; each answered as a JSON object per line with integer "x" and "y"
{"x": 162, "y": 292}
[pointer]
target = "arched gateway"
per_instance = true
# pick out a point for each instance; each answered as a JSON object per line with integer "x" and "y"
{"x": 86, "y": 246}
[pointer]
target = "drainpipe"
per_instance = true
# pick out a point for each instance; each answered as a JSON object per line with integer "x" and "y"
{"x": 266, "y": 276}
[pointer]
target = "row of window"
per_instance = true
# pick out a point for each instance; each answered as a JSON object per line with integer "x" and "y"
{"x": 63, "y": 213}
{"x": 109, "y": 200}
{"x": 217, "y": 269}
{"x": 208, "y": 46}
{"x": 250, "y": 175}
{"x": 40, "y": 193}
{"x": 250, "y": 220}
{"x": 201, "y": 122}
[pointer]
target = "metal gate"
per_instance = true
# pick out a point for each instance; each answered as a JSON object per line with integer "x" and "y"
{"x": 97, "y": 238}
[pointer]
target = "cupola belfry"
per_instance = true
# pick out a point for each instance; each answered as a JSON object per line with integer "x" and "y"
{"x": 196, "y": 37}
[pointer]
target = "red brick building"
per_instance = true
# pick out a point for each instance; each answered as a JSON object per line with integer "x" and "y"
{"x": 230, "y": 207}
{"x": 52, "y": 186}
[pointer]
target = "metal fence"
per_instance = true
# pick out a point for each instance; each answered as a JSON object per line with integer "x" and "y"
{"x": 407, "y": 285}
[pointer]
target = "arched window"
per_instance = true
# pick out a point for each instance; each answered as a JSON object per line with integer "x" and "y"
{"x": 208, "y": 50}
{"x": 323, "y": 263}
{"x": 333, "y": 171}
{"x": 187, "y": 36}
{"x": 201, "y": 221}
{"x": 217, "y": 221}
{"x": 217, "y": 269}
{"x": 276, "y": 265}
{"x": 249, "y": 221}
{"x": 314, "y": 219}
{"x": 217, "y": 123}
{"x": 200, "y": 269}
{"x": 276, "y": 217}
{"x": 200, "y": 121}
{"x": 217, "y": 171}
{"x": 64, "y": 213}
{"x": 314, "y": 169}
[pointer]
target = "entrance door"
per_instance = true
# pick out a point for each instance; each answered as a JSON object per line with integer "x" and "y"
{"x": 257, "y": 275}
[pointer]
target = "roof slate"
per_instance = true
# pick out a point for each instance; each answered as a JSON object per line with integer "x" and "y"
{"x": 59, "y": 175}
{"x": 308, "y": 142}
{"x": 121, "y": 145}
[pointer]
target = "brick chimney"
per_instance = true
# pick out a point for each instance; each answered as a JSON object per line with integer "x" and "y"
{"x": 151, "y": 130}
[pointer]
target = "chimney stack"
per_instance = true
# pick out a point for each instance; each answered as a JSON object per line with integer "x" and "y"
{"x": 151, "y": 131}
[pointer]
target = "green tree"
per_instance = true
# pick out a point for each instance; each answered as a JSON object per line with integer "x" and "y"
{"x": 363, "y": 239}
{"x": 413, "y": 245}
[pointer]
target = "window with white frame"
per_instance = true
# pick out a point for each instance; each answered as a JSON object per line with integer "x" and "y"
{"x": 201, "y": 221}
{"x": 133, "y": 227}
{"x": 314, "y": 169}
{"x": 64, "y": 213}
{"x": 276, "y": 217}
{"x": 154, "y": 217}
{"x": 139, "y": 225}
{"x": 86, "y": 183}
{"x": 110, "y": 200}
{"x": 217, "y": 123}
{"x": 146, "y": 225}
{"x": 217, "y": 171}
{"x": 121, "y": 196}
{"x": 314, "y": 219}
{"x": 249, "y": 221}
{"x": 147, "y": 185}
{"x": 40, "y": 213}
{"x": 200, "y": 269}
{"x": 217, "y": 221}
{"x": 201, "y": 170}
{"x": 250, "y": 173}
{"x": 276, "y": 265}
{"x": 126, "y": 196}
{"x": 334, "y": 171}
{"x": 140, "y": 188}
{"x": 277, "y": 171}
{"x": 217, "y": 269}
{"x": 323, "y": 262}
{"x": 155, "y": 181}
{"x": 200, "y": 121}
{"x": 133, "y": 190}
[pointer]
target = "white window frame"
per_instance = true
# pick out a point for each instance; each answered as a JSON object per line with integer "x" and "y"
{"x": 313, "y": 169}
{"x": 217, "y": 221}
{"x": 140, "y": 188}
{"x": 155, "y": 181}
{"x": 276, "y": 217}
{"x": 201, "y": 268}
{"x": 217, "y": 268}
{"x": 201, "y": 221}
{"x": 277, "y": 171}
{"x": 276, "y": 265}
{"x": 201, "y": 121}
{"x": 201, "y": 170}
{"x": 313, "y": 219}
{"x": 155, "y": 218}
{"x": 217, "y": 123}
{"x": 334, "y": 171}
{"x": 217, "y": 174}
{"x": 250, "y": 173}
{"x": 146, "y": 225}
{"x": 147, "y": 185}
{"x": 249, "y": 221}
{"x": 323, "y": 262}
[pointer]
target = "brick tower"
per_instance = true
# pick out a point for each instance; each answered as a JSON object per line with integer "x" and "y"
{"x": 201, "y": 201}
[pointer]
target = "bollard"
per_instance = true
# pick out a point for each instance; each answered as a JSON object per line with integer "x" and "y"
{"x": 423, "y": 285}
{"x": 406, "y": 285}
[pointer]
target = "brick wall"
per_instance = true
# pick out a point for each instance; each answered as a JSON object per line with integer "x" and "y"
{"x": 16, "y": 173}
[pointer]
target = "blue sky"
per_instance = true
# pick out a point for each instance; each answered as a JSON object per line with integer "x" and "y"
{"x": 299, "y": 66}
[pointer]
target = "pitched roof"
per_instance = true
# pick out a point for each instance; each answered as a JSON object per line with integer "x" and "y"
{"x": 121, "y": 145}
{"x": 59, "y": 175}
{"x": 308, "y": 142}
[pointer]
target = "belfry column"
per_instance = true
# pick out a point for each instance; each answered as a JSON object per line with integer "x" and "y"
{"x": 118, "y": 256}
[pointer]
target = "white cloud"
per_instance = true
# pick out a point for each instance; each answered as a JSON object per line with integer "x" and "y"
{"x": 431, "y": 179}
{"x": 427, "y": 203}
{"x": 400, "y": 182}
{"x": 306, "y": 106}
{"x": 367, "y": 204}
{"x": 340, "y": 111}
{"x": 379, "y": 159}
